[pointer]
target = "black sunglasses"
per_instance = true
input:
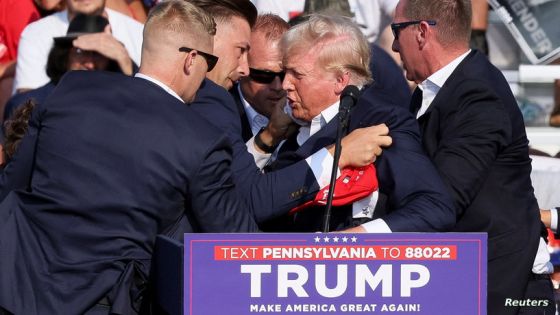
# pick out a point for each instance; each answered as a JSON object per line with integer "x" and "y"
{"x": 211, "y": 60}
{"x": 397, "y": 27}
{"x": 265, "y": 76}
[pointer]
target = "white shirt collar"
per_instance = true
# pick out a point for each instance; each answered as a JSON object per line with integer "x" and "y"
{"x": 318, "y": 122}
{"x": 160, "y": 84}
{"x": 256, "y": 120}
{"x": 431, "y": 86}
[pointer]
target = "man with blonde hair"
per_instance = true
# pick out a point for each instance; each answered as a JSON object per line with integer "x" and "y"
{"x": 116, "y": 161}
{"x": 322, "y": 56}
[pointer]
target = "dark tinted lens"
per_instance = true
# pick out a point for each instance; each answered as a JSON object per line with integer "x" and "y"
{"x": 211, "y": 60}
{"x": 395, "y": 30}
{"x": 397, "y": 27}
{"x": 263, "y": 76}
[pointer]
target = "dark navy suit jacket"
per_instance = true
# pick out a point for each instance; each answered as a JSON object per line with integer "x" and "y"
{"x": 474, "y": 133}
{"x": 116, "y": 160}
{"x": 267, "y": 195}
{"x": 417, "y": 200}
{"x": 388, "y": 75}
{"x": 38, "y": 95}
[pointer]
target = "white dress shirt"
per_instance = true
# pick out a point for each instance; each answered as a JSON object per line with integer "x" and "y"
{"x": 431, "y": 86}
{"x": 160, "y": 84}
{"x": 256, "y": 120}
{"x": 321, "y": 162}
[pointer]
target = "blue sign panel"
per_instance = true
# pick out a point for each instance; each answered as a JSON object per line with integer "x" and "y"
{"x": 399, "y": 273}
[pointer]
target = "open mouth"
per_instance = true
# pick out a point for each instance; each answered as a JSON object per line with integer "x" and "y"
{"x": 275, "y": 98}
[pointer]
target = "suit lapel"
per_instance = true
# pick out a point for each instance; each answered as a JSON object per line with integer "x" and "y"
{"x": 291, "y": 152}
{"x": 416, "y": 101}
{"x": 430, "y": 122}
{"x": 443, "y": 93}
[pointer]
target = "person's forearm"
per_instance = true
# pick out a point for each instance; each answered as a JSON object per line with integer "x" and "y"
{"x": 7, "y": 69}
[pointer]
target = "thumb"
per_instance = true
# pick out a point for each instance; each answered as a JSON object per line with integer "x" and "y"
{"x": 107, "y": 29}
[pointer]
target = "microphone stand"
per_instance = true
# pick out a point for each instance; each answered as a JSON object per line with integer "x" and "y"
{"x": 347, "y": 100}
{"x": 340, "y": 132}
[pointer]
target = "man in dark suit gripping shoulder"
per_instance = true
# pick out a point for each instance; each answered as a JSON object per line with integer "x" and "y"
{"x": 474, "y": 133}
{"x": 117, "y": 160}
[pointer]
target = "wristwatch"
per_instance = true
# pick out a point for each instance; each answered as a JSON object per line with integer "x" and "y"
{"x": 263, "y": 146}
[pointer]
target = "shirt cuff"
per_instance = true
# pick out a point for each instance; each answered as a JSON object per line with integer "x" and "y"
{"x": 376, "y": 226}
{"x": 321, "y": 163}
{"x": 554, "y": 220}
{"x": 542, "y": 264}
{"x": 261, "y": 159}
{"x": 364, "y": 208}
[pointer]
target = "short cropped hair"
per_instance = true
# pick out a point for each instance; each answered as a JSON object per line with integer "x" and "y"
{"x": 180, "y": 17}
{"x": 272, "y": 25}
{"x": 223, "y": 10}
{"x": 453, "y": 18}
{"x": 342, "y": 45}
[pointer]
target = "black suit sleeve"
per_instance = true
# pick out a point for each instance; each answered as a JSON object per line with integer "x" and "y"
{"x": 214, "y": 202}
{"x": 417, "y": 199}
{"x": 267, "y": 195}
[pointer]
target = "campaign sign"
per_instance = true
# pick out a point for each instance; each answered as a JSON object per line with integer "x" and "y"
{"x": 399, "y": 273}
{"x": 534, "y": 25}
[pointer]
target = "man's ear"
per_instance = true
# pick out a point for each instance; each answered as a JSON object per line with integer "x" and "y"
{"x": 189, "y": 62}
{"x": 424, "y": 35}
{"x": 342, "y": 80}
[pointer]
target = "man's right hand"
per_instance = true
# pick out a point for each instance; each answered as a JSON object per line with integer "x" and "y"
{"x": 363, "y": 145}
{"x": 108, "y": 46}
{"x": 546, "y": 218}
{"x": 280, "y": 126}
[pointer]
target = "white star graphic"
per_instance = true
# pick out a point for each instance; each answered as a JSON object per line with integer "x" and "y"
{"x": 335, "y": 239}
{"x": 345, "y": 239}
{"x": 317, "y": 239}
{"x": 354, "y": 239}
{"x": 326, "y": 239}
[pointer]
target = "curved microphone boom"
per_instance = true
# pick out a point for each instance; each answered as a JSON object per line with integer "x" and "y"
{"x": 348, "y": 98}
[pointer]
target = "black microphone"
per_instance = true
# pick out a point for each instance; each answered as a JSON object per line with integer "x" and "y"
{"x": 348, "y": 99}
